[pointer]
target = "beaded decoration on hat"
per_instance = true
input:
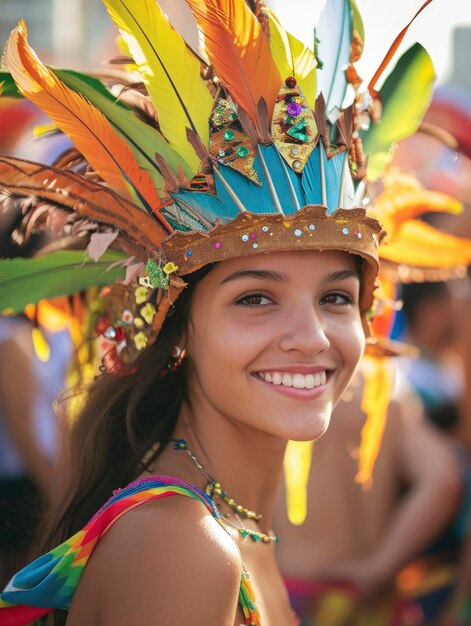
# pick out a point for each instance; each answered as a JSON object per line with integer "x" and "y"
{"x": 243, "y": 148}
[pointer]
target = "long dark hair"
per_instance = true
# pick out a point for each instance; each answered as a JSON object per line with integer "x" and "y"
{"x": 124, "y": 417}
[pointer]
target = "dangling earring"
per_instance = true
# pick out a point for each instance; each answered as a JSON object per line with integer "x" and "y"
{"x": 177, "y": 354}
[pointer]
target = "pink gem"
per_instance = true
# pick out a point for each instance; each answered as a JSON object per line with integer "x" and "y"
{"x": 217, "y": 244}
{"x": 355, "y": 232}
{"x": 253, "y": 236}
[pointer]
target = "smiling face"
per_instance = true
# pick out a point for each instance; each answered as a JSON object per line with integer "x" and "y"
{"x": 274, "y": 339}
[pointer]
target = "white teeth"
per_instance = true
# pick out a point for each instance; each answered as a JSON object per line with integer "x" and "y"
{"x": 309, "y": 381}
{"x": 276, "y": 378}
{"x": 287, "y": 380}
{"x": 298, "y": 381}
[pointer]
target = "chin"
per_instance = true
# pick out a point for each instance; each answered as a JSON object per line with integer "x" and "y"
{"x": 306, "y": 427}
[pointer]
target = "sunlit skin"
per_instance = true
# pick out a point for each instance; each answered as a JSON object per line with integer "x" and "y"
{"x": 294, "y": 312}
{"x": 287, "y": 312}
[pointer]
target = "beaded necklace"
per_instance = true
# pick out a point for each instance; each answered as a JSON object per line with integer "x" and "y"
{"x": 215, "y": 491}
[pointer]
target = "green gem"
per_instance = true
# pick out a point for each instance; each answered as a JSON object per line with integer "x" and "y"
{"x": 242, "y": 151}
{"x": 255, "y": 537}
{"x": 243, "y": 532}
{"x": 229, "y": 135}
{"x": 296, "y": 131}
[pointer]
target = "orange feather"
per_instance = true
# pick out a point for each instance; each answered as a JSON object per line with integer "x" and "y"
{"x": 108, "y": 154}
{"x": 84, "y": 197}
{"x": 237, "y": 47}
{"x": 391, "y": 52}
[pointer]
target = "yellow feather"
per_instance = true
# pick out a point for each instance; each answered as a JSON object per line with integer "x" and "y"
{"x": 169, "y": 70}
{"x": 108, "y": 154}
{"x": 292, "y": 58}
{"x": 419, "y": 244}
{"x": 296, "y": 466}
{"x": 375, "y": 402}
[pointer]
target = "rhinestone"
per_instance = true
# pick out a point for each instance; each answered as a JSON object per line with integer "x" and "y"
{"x": 294, "y": 150}
{"x": 127, "y": 316}
{"x": 312, "y": 227}
{"x": 359, "y": 235}
{"x": 297, "y": 164}
{"x": 294, "y": 109}
{"x": 253, "y": 236}
{"x": 255, "y": 245}
{"x": 242, "y": 151}
{"x": 229, "y": 135}
{"x": 222, "y": 153}
{"x": 110, "y": 333}
{"x": 265, "y": 229}
{"x": 189, "y": 253}
{"x": 245, "y": 237}
{"x": 298, "y": 232}
{"x": 345, "y": 231}
{"x": 217, "y": 244}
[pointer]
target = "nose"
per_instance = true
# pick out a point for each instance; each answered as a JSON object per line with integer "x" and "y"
{"x": 304, "y": 330}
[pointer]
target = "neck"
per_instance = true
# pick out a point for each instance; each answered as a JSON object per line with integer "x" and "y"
{"x": 246, "y": 462}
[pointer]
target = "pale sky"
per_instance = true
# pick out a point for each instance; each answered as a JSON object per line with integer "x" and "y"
{"x": 383, "y": 20}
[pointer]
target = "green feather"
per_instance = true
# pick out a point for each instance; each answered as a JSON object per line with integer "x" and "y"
{"x": 405, "y": 96}
{"x": 8, "y": 88}
{"x": 26, "y": 281}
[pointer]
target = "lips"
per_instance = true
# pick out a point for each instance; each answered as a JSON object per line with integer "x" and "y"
{"x": 295, "y": 379}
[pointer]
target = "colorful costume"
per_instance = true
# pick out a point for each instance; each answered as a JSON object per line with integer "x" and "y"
{"x": 50, "y": 581}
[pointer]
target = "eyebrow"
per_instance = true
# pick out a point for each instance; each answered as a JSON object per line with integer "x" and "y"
{"x": 343, "y": 274}
{"x": 281, "y": 277}
{"x": 266, "y": 274}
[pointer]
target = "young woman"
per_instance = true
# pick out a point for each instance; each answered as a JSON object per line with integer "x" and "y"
{"x": 238, "y": 325}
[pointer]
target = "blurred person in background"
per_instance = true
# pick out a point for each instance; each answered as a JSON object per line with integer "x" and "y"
{"x": 30, "y": 380}
{"x": 449, "y": 409}
{"x": 431, "y": 313}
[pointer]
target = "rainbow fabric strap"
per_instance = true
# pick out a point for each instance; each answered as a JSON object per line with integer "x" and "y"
{"x": 49, "y": 582}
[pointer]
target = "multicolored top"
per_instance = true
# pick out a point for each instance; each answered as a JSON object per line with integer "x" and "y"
{"x": 49, "y": 582}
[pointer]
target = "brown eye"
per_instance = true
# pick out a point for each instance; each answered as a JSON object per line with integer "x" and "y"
{"x": 254, "y": 300}
{"x": 337, "y": 298}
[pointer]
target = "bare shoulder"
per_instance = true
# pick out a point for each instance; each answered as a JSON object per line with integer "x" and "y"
{"x": 166, "y": 562}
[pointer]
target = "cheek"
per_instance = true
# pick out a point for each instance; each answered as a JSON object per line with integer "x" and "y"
{"x": 353, "y": 347}
{"x": 224, "y": 348}
{"x": 349, "y": 340}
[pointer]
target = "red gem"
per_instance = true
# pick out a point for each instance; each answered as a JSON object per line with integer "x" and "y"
{"x": 120, "y": 333}
{"x": 102, "y": 324}
{"x": 355, "y": 232}
{"x": 291, "y": 82}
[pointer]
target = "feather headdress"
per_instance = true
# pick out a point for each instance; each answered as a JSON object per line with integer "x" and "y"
{"x": 206, "y": 156}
